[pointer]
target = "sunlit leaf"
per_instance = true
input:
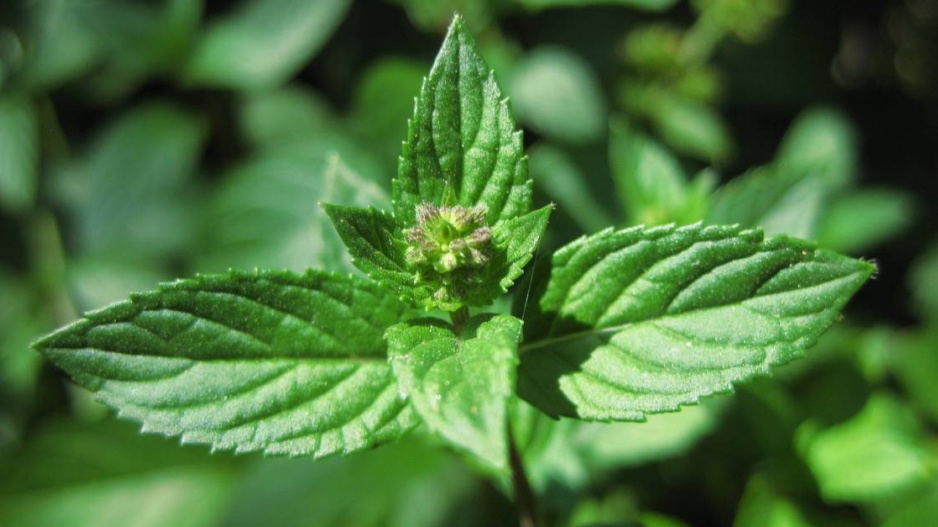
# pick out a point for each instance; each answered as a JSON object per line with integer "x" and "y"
{"x": 268, "y": 361}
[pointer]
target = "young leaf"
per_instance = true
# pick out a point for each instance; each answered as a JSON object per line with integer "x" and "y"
{"x": 820, "y": 141}
{"x": 644, "y": 320}
{"x": 865, "y": 218}
{"x": 462, "y": 147}
{"x": 373, "y": 239}
{"x": 269, "y": 361}
{"x": 460, "y": 382}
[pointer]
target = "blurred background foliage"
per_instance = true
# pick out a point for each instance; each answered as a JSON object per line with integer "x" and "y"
{"x": 145, "y": 140}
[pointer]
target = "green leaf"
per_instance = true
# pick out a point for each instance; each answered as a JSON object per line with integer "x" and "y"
{"x": 691, "y": 127}
{"x": 557, "y": 174}
{"x": 19, "y": 152}
{"x": 879, "y": 453}
{"x": 652, "y": 185}
{"x": 264, "y": 214}
{"x": 462, "y": 147}
{"x": 263, "y": 43}
{"x": 820, "y": 141}
{"x": 406, "y": 484}
{"x": 643, "y": 5}
{"x": 268, "y": 361}
{"x": 131, "y": 187}
{"x": 558, "y": 95}
{"x": 107, "y": 474}
{"x": 763, "y": 506}
{"x": 460, "y": 381}
{"x": 863, "y": 219}
{"x": 271, "y": 117}
{"x": 778, "y": 202}
{"x": 642, "y": 321}
{"x": 915, "y": 362}
{"x": 923, "y": 282}
{"x": 374, "y": 240}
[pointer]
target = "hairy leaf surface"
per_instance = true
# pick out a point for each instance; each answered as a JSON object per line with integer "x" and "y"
{"x": 269, "y": 361}
{"x": 644, "y": 320}
{"x": 462, "y": 147}
{"x": 460, "y": 383}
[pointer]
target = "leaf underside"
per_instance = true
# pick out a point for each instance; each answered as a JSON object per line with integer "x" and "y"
{"x": 462, "y": 147}
{"x": 268, "y": 361}
{"x": 642, "y": 321}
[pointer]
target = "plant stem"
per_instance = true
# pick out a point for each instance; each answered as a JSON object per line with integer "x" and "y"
{"x": 459, "y": 317}
{"x": 525, "y": 501}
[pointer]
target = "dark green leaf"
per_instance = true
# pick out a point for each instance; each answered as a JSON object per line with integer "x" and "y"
{"x": 460, "y": 381}
{"x": 923, "y": 281}
{"x": 644, "y": 320}
{"x": 263, "y": 42}
{"x": 268, "y": 361}
{"x": 644, "y": 5}
{"x": 462, "y": 147}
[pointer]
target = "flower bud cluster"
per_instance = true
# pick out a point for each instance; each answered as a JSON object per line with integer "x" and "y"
{"x": 447, "y": 248}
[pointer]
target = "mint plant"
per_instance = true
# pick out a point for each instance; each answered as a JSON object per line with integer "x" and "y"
{"x": 613, "y": 327}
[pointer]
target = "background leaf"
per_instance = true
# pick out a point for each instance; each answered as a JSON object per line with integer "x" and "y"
{"x": 19, "y": 151}
{"x": 556, "y": 94}
{"x": 266, "y": 213}
{"x": 267, "y": 361}
{"x": 262, "y": 43}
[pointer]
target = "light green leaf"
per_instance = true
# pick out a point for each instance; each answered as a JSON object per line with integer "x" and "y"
{"x": 778, "y": 202}
{"x": 460, "y": 381}
{"x": 644, "y": 320}
{"x": 920, "y": 511}
{"x": 462, "y": 147}
{"x": 268, "y": 361}
{"x": 643, "y": 5}
{"x": 130, "y": 191}
{"x": 877, "y": 454}
{"x": 915, "y": 364}
{"x": 555, "y": 92}
{"x": 265, "y": 214}
{"x": 820, "y": 141}
{"x": 559, "y": 177}
{"x": 107, "y": 474}
{"x": 263, "y": 43}
{"x": 19, "y": 152}
{"x": 271, "y": 117}
{"x": 865, "y": 218}
{"x": 652, "y": 185}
